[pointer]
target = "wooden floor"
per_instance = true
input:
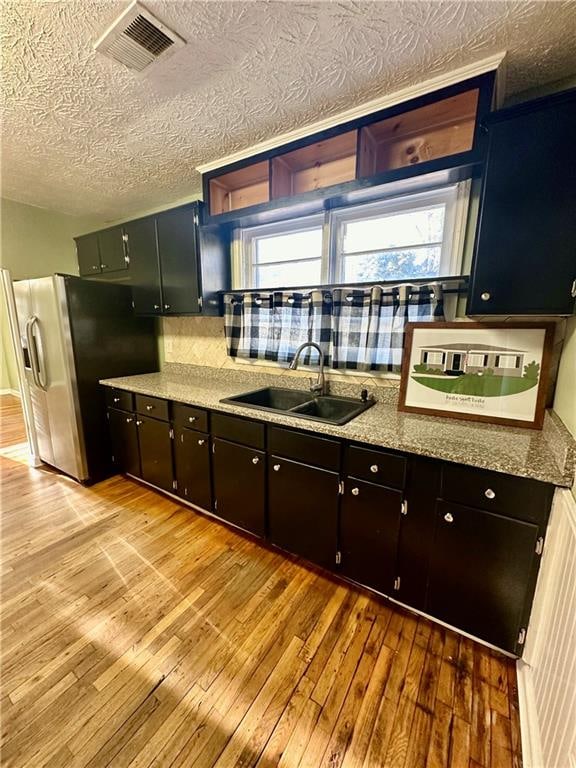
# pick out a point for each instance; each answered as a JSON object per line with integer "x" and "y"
{"x": 136, "y": 632}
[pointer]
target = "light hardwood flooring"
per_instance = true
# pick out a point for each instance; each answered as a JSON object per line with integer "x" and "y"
{"x": 136, "y": 632}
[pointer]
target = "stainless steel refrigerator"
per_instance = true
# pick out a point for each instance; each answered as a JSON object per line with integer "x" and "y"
{"x": 71, "y": 332}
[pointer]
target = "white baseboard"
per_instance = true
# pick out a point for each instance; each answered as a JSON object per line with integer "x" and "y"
{"x": 529, "y": 726}
{"x": 13, "y": 392}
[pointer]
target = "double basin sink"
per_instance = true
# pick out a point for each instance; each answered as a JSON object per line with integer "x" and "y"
{"x": 304, "y": 405}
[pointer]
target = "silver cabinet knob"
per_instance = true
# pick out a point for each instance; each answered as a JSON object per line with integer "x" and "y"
{"x": 485, "y": 296}
{"x": 156, "y": 306}
{"x": 129, "y": 421}
{"x": 355, "y": 491}
{"x": 138, "y": 422}
{"x": 374, "y": 468}
{"x": 149, "y": 407}
{"x": 201, "y": 442}
{"x": 125, "y": 238}
{"x": 192, "y": 419}
{"x": 104, "y": 266}
{"x": 255, "y": 460}
{"x": 166, "y": 306}
{"x": 96, "y": 266}
{"x": 489, "y": 493}
{"x": 276, "y": 467}
{"x": 448, "y": 517}
{"x": 116, "y": 399}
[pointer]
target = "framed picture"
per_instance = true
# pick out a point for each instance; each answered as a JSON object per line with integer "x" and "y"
{"x": 495, "y": 372}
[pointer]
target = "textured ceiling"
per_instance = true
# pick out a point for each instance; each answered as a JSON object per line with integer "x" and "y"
{"x": 81, "y": 134}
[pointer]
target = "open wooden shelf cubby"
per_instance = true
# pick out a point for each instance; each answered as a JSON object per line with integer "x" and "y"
{"x": 440, "y": 129}
{"x": 241, "y": 188}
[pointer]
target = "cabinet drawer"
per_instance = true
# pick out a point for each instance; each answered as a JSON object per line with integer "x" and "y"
{"x": 119, "y": 398}
{"x": 238, "y": 430}
{"x": 516, "y": 497}
{"x": 189, "y": 416}
{"x": 376, "y": 466}
{"x": 152, "y": 406}
{"x": 306, "y": 448}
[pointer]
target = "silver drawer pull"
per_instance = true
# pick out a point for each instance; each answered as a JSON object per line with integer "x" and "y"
{"x": 138, "y": 422}
{"x": 489, "y": 493}
{"x": 129, "y": 421}
{"x": 255, "y": 460}
{"x": 116, "y": 399}
{"x": 201, "y": 442}
{"x": 276, "y": 467}
{"x": 448, "y": 517}
{"x": 374, "y": 468}
{"x": 485, "y": 296}
{"x": 149, "y": 407}
{"x": 191, "y": 419}
{"x": 355, "y": 491}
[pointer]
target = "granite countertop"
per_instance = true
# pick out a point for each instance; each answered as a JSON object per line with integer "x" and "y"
{"x": 548, "y": 454}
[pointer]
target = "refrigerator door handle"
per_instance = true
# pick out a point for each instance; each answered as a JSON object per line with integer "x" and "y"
{"x": 36, "y": 352}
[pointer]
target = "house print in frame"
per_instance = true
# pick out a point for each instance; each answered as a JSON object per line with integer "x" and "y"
{"x": 481, "y": 371}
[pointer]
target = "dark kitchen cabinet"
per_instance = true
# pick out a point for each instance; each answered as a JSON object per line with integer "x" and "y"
{"x": 240, "y": 485}
{"x": 88, "y": 253}
{"x": 303, "y": 510}
{"x": 144, "y": 267}
{"x": 178, "y": 256}
{"x": 525, "y": 250}
{"x": 124, "y": 440}
{"x": 369, "y": 525}
{"x": 482, "y": 573}
{"x": 101, "y": 252}
{"x": 155, "y": 443}
{"x": 192, "y": 467}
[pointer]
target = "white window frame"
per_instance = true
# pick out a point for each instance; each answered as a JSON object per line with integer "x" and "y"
{"x": 244, "y": 259}
{"x": 454, "y": 196}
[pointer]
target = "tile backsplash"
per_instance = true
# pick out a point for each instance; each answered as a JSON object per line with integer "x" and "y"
{"x": 201, "y": 341}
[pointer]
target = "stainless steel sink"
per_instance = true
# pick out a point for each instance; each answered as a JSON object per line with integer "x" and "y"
{"x": 303, "y": 405}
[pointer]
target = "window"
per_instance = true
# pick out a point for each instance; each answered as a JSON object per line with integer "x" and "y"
{"x": 414, "y": 236}
{"x": 283, "y": 254}
{"x": 477, "y": 360}
{"x": 507, "y": 361}
{"x": 433, "y": 358}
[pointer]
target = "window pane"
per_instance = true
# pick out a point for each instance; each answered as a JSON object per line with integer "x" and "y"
{"x": 395, "y": 230}
{"x": 288, "y": 274}
{"x": 392, "y": 265}
{"x": 306, "y": 244}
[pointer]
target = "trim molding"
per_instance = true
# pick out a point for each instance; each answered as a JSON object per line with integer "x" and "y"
{"x": 529, "y": 725}
{"x": 405, "y": 94}
{"x": 13, "y": 392}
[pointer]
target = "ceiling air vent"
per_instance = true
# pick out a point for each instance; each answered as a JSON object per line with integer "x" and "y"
{"x": 137, "y": 39}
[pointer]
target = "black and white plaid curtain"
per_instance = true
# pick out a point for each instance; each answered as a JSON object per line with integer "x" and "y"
{"x": 272, "y": 325}
{"x": 357, "y": 329}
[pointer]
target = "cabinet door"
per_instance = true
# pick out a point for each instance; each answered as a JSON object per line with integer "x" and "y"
{"x": 155, "y": 445}
{"x": 369, "y": 525}
{"x": 192, "y": 466}
{"x": 112, "y": 253}
{"x": 124, "y": 440}
{"x": 177, "y": 246}
{"x": 88, "y": 255}
{"x": 303, "y": 510}
{"x": 144, "y": 267}
{"x": 240, "y": 485}
{"x": 525, "y": 260}
{"x": 482, "y": 572}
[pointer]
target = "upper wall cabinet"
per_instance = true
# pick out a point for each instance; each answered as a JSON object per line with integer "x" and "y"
{"x": 525, "y": 252}
{"x": 175, "y": 267}
{"x": 102, "y": 252}
{"x": 434, "y": 132}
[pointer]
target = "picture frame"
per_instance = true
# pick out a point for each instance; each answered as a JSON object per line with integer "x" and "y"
{"x": 488, "y": 372}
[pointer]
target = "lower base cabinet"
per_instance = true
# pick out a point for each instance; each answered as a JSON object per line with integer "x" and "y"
{"x": 482, "y": 573}
{"x": 124, "y": 439}
{"x": 303, "y": 510}
{"x": 192, "y": 467}
{"x": 369, "y": 526}
{"x": 155, "y": 443}
{"x": 240, "y": 485}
